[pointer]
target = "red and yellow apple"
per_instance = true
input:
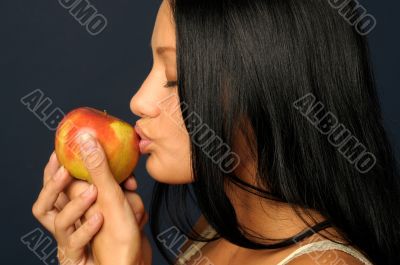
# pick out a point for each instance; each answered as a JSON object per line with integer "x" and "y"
{"x": 118, "y": 139}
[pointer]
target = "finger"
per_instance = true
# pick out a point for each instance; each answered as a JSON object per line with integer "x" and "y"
{"x": 78, "y": 240}
{"x": 51, "y": 190}
{"x": 144, "y": 220}
{"x": 130, "y": 183}
{"x": 51, "y": 168}
{"x": 64, "y": 222}
{"x": 137, "y": 206}
{"x": 61, "y": 201}
{"x": 95, "y": 162}
{"x": 43, "y": 208}
{"x": 75, "y": 188}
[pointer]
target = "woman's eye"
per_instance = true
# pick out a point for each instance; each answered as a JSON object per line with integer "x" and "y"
{"x": 171, "y": 84}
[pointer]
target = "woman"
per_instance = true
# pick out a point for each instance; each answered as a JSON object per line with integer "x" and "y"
{"x": 265, "y": 114}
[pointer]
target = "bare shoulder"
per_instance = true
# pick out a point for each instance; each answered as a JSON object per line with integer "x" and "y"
{"x": 326, "y": 257}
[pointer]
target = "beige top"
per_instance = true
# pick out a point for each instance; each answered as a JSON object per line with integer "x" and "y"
{"x": 308, "y": 248}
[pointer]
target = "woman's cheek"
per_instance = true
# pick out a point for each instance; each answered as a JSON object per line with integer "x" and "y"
{"x": 170, "y": 163}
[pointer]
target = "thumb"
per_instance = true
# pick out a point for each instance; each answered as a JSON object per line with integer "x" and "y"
{"x": 95, "y": 161}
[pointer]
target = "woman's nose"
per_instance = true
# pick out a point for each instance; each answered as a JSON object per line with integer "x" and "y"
{"x": 143, "y": 106}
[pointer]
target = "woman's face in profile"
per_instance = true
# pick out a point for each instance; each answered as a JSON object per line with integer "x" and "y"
{"x": 157, "y": 105}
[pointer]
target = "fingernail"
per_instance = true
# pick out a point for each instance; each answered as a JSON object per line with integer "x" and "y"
{"x": 87, "y": 143}
{"x": 88, "y": 191}
{"x": 94, "y": 219}
{"x": 59, "y": 173}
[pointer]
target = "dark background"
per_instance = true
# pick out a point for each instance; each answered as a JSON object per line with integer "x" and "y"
{"x": 43, "y": 47}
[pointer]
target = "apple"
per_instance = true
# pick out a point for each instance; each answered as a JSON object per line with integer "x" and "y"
{"x": 118, "y": 139}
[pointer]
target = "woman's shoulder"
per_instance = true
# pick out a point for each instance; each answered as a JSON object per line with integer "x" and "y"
{"x": 314, "y": 253}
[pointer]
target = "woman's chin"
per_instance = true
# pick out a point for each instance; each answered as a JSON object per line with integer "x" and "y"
{"x": 164, "y": 173}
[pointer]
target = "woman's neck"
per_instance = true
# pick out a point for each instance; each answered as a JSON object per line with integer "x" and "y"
{"x": 270, "y": 219}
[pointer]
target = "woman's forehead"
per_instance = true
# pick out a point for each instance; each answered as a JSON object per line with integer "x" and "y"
{"x": 164, "y": 28}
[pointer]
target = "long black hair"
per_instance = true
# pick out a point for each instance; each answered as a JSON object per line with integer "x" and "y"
{"x": 265, "y": 68}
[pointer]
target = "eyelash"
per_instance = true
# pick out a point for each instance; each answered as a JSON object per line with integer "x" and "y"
{"x": 171, "y": 84}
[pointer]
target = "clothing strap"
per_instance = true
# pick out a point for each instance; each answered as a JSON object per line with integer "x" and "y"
{"x": 321, "y": 246}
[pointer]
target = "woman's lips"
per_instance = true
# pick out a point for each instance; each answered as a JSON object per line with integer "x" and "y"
{"x": 144, "y": 140}
{"x": 143, "y": 146}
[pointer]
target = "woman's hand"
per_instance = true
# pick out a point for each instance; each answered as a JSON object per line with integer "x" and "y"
{"x": 121, "y": 241}
{"x": 72, "y": 240}
{"x": 134, "y": 200}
